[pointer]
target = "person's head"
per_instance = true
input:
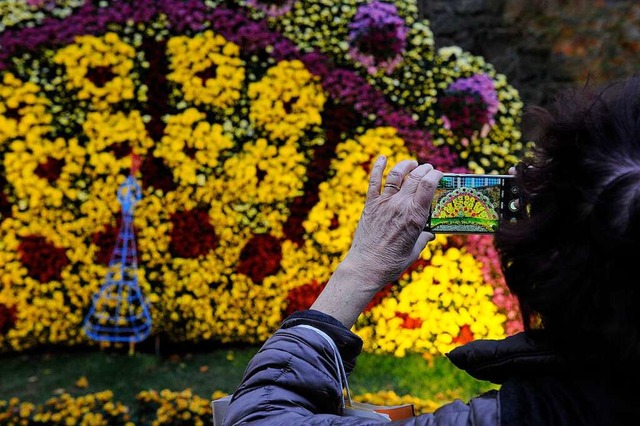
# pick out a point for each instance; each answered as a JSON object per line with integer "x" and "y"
{"x": 574, "y": 262}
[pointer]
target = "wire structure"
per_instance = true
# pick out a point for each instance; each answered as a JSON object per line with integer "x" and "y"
{"x": 119, "y": 312}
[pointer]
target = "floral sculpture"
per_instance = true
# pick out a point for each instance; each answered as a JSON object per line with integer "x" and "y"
{"x": 257, "y": 123}
{"x": 119, "y": 312}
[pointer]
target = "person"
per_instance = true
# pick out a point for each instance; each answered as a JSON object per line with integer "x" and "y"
{"x": 571, "y": 262}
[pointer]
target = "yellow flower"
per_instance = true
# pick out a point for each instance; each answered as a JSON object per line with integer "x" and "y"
{"x": 99, "y": 69}
{"x": 110, "y": 133}
{"x": 82, "y": 382}
{"x": 208, "y": 69}
{"x": 24, "y": 111}
{"x": 332, "y": 221}
{"x": 192, "y": 146}
{"x": 287, "y": 101}
{"x": 440, "y": 299}
{"x": 45, "y": 174}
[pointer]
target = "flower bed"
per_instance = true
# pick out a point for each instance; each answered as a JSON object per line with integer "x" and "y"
{"x": 256, "y": 124}
{"x": 155, "y": 408}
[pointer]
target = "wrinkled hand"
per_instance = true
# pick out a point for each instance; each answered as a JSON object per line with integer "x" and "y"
{"x": 390, "y": 236}
{"x": 388, "y": 239}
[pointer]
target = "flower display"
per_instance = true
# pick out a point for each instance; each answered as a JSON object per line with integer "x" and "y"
{"x": 163, "y": 407}
{"x": 16, "y": 12}
{"x": 377, "y": 36}
{"x": 213, "y": 75}
{"x": 272, "y": 8}
{"x": 174, "y": 408}
{"x": 91, "y": 409}
{"x": 469, "y": 104}
{"x": 256, "y": 138}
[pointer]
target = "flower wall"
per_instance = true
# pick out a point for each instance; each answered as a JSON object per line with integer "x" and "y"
{"x": 256, "y": 123}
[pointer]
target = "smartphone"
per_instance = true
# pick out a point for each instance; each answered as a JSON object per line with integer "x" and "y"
{"x": 473, "y": 204}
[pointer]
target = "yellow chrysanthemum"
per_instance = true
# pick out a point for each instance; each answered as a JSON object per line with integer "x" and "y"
{"x": 112, "y": 138}
{"x": 208, "y": 69}
{"x": 24, "y": 111}
{"x": 436, "y": 309}
{"x": 332, "y": 221}
{"x": 99, "y": 68}
{"x": 191, "y": 145}
{"x": 45, "y": 174}
{"x": 261, "y": 180}
{"x": 286, "y": 101}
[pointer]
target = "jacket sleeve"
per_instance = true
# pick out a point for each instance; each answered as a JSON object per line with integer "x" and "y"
{"x": 293, "y": 379}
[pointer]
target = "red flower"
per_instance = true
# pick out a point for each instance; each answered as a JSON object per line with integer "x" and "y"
{"x": 100, "y": 75}
{"x": 378, "y": 297}
{"x": 192, "y": 234}
{"x": 5, "y": 205}
{"x": 156, "y": 174}
{"x": 465, "y": 111}
{"x": 106, "y": 241}
{"x": 260, "y": 257}
{"x": 43, "y": 260}
{"x": 464, "y": 336}
{"x": 366, "y": 166}
{"x": 301, "y": 298}
{"x": 120, "y": 150}
{"x": 335, "y": 222}
{"x": 206, "y": 74}
{"x": 299, "y": 208}
{"x": 50, "y": 170}
{"x": 7, "y": 317}
{"x": 408, "y": 321}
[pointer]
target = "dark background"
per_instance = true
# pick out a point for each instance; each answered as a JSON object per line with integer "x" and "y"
{"x": 543, "y": 46}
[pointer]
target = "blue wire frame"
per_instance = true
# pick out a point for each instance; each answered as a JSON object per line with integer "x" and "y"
{"x": 119, "y": 312}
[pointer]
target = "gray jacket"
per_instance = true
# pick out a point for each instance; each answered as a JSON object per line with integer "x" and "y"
{"x": 293, "y": 380}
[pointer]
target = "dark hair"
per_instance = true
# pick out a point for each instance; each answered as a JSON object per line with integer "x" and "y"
{"x": 574, "y": 261}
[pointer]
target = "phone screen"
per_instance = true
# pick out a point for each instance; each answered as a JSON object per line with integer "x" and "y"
{"x": 472, "y": 204}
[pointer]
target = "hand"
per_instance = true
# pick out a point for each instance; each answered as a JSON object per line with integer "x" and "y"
{"x": 390, "y": 236}
{"x": 388, "y": 239}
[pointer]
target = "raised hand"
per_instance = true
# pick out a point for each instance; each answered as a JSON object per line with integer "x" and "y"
{"x": 388, "y": 239}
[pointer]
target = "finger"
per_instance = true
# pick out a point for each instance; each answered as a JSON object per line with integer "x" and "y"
{"x": 426, "y": 189}
{"x": 396, "y": 176}
{"x": 512, "y": 170}
{"x": 410, "y": 184}
{"x": 421, "y": 243}
{"x": 375, "y": 179}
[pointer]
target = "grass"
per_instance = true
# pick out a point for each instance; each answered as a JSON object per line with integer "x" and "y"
{"x": 413, "y": 375}
{"x": 37, "y": 377}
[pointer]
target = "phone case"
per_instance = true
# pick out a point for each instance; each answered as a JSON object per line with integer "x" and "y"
{"x": 473, "y": 204}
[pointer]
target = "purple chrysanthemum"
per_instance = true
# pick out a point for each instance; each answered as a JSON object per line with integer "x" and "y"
{"x": 469, "y": 105}
{"x": 377, "y": 36}
{"x": 483, "y": 86}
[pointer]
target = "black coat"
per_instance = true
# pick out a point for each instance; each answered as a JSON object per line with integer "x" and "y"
{"x": 293, "y": 380}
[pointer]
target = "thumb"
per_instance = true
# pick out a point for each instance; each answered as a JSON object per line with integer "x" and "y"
{"x": 421, "y": 243}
